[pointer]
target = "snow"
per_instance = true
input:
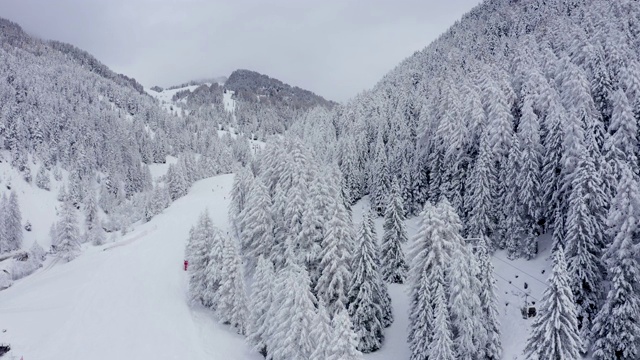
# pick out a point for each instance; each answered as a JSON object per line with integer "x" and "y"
{"x": 37, "y": 206}
{"x": 126, "y": 303}
{"x": 165, "y": 96}
{"x": 159, "y": 170}
{"x": 131, "y": 301}
{"x": 510, "y": 277}
{"x": 228, "y": 101}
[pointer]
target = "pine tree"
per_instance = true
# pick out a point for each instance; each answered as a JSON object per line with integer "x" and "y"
{"x": 232, "y": 303}
{"x": 12, "y": 223}
{"x": 429, "y": 255}
{"x": 365, "y": 293}
{"x": 294, "y": 213}
{"x": 257, "y": 224}
{"x": 68, "y": 237}
{"x": 616, "y": 329}
{"x": 335, "y": 272}
{"x": 292, "y": 315}
{"x": 213, "y": 271}
{"x": 42, "y": 179}
{"x": 492, "y": 348}
{"x": 481, "y": 220}
{"x": 261, "y": 299}
{"x": 552, "y": 165}
{"x": 441, "y": 346}
{"x": 242, "y": 185}
{"x": 394, "y": 268}
{"x": 344, "y": 342}
{"x": 176, "y": 181}
{"x": 316, "y": 217}
{"x": 529, "y": 178}
{"x": 583, "y": 248}
{"x": 322, "y": 334}
{"x": 198, "y": 252}
{"x": 464, "y": 304}
{"x": 513, "y": 227}
{"x": 621, "y": 148}
{"x": 75, "y": 190}
{"x": 554, "y": 332}
{"x": 4, "y": 244}
{"x": 381, "y": 181}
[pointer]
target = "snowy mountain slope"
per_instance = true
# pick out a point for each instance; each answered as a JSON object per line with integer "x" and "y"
{"x": 510, "y": 279}
{"x": 126, "y": 303}
{"x": 165, "y": 98}
{"x": 131, "y": 302}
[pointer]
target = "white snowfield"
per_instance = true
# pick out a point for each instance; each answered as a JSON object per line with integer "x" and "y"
{"x": 126, "y": 303}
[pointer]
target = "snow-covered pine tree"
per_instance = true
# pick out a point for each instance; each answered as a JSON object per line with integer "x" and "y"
{"x": 232, "y": 300}
{"x": 365, "y": 293}
{"x": 176, "y": 181}
{"x": 12, "y": 223}
{"x": 529, "y": 178}
{"x": 335, "y": 269}
{"x": 492, "y": 348}
{"x": 242, "y": 186}
{"x": 198, "y": 252}
{"x": 441, "y": 346}
{"x": 512, "y": 227}
{"x": 465, "y": 314}
{"x": 583, "y": 250}
{"x": 257, "y": 225}
{"x": 260, "y": 301}
{"x": 344, "y": 342}
{"x": 91, "y": 218}
{"x": 621, "y": 148}
{"x": 554, "y": 332}
{"x": 293, "y": 215}
{"x": 68, "y": 235}
{"x": 37, "y": 252}
{"x": 616, "y": 330}
{"x": 75, "y": 190}
{"x": 4, "y": 245}
{"x": 42, "y": 178}
{"x": 97, "y": 235}
{"x": 500, "y": 138}
{"x": 381, "y": 182}
{"x": 292, "y": 315}
{"x": 315, "y": 219}
{"x": 481, "y": 220}
{"x": 322, "y": 334}
{"x": 429, "y": 256}
{"x": 394, "y": 267}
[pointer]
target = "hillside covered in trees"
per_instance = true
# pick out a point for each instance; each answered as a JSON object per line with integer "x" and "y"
{"x": 518, "y": 127}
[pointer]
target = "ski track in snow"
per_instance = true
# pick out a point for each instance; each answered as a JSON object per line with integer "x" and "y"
{"x": 127, "y": 303}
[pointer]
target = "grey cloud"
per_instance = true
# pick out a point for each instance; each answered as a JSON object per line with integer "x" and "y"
{"x": 334, "y": 48}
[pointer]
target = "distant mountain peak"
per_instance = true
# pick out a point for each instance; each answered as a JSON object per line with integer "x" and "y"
{"x": 253, "y": 86}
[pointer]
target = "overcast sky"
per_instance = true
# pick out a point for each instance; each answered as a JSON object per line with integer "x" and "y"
{"x": 335, "y": 48}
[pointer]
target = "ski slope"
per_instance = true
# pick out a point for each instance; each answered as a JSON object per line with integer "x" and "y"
{"x": 126, "y": 303}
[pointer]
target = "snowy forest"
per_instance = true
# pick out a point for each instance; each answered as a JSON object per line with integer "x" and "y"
{"x": 515, "y": 133}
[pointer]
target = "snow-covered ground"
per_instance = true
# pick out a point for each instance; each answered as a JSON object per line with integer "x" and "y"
{"x": 510, "y": 276}
{"x": 228, "y": 101}
{"x": 37, "y": 206}
{"x": 165, "y": 97}
{"x": 125, "y": 303}
{"x": 128, "y": 300}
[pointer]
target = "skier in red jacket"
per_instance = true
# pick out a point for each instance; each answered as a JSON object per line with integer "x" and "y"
{"x": 186, "y": 265}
